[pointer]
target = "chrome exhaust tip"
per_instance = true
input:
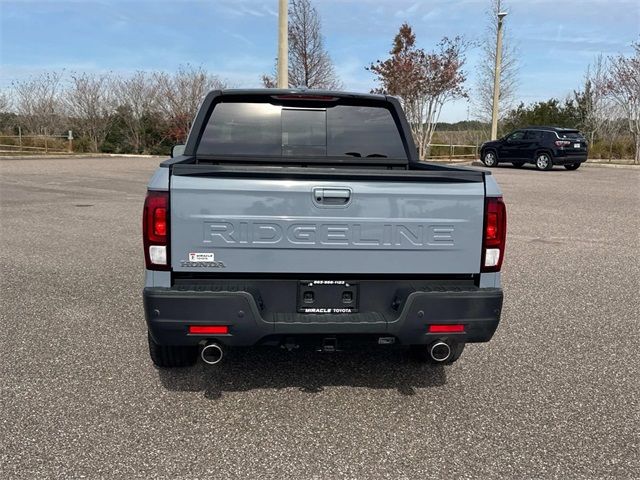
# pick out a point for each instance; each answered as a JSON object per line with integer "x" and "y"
{"x": 211, "y": 353}
{"x": 440, "y": 351}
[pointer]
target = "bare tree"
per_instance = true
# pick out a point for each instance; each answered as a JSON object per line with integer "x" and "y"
{"x": 612, "y": 129}
{"x": 137, "y": 99}
{"x": 592, "y": 102}
{"x": 38, "y": 102}
{"x": 509, "y": 71}
{"x": 5, "y": 102}
{"x": 425, "y": 82}
{"x": 180, "y": 95}
{"x": 309, "y": 62}
{"x": 89, "y": 106}
{"x": 623, "y": 86}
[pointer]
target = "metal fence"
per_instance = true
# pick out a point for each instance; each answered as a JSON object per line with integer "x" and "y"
{"x": 64, "y": 144}
{"x": 36, "y": 143}
{"x": 450, "y": 149}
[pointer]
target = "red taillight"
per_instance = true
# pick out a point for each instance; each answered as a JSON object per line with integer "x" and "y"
{"x": 495, "y": 234}
{"x": 208, "y": 329}
{"x": 155, "y": 227}
{"x": 492, "y": 226}
{"x": 451, "y": 328}
{"x": 160, "y": 222}
{"x": 562, "y": 143}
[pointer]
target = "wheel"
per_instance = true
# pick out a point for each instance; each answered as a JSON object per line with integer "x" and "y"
{"x": 573, "y": 166}
{"x": 490, "y": 159}
{"x": 517, "y": 164}
{"x": 420, "y": 353}
{"x": 544, "y": 161}
{"x": 165, "y": 356}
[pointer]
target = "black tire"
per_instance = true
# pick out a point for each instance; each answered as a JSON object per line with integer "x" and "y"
{"x": 573, "y": 166}
{"x": 166, "y": 356}
{"x": 420, "y": 353}
{"x": 490, "y": 159}
{"x": 544, "y": 161}
{"x": 517, "y": 164}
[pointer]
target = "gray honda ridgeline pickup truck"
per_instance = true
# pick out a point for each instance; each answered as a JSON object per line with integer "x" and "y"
{"x": 305, "y": 218}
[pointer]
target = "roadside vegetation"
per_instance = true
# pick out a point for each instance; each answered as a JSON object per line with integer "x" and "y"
{"x": 148, "y": 112}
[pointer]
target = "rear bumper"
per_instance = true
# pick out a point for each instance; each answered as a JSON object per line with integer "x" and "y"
{"x": 569, "y": 159}
{"x": 169, "y": 312}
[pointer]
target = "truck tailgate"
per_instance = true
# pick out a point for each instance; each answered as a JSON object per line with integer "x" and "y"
{"x": 258, "y": 225}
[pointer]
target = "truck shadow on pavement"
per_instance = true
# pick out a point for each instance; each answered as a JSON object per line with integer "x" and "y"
{"x": 310, "y": 372}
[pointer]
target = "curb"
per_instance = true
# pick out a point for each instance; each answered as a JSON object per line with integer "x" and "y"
{"x": 477, "y": 163}
{"x": 612, "y": 165}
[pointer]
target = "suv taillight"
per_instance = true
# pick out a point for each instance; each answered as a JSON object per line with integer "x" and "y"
{"x": 155, "y": 230}
{"x": 563, "y": 143}
{"x": 495, "y": 234}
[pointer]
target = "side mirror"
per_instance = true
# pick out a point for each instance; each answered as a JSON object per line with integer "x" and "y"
{"x": 177, "y": 150}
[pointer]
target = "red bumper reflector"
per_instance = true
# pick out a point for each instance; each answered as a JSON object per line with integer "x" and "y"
{"x": 454, "y": 328}
{"x": 209, "y": 329}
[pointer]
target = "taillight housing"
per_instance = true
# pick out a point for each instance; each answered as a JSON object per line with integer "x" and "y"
{"x": 563, "y": 143}
{"x": 495, "y": 234}
{"x": 155, "y": 230}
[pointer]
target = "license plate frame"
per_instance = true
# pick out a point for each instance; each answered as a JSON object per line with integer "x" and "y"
{"x": 333, "y": 297}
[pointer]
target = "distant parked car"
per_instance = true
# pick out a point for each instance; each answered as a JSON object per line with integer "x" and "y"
{"x": 542, "y": 146}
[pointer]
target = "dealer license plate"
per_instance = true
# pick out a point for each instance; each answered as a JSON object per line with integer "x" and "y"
{"x": 327, "y": 296}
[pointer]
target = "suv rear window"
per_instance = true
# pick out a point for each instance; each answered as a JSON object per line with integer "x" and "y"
{"x": 264, "y": 129}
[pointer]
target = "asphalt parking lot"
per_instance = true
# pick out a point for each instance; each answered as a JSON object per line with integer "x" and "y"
{"x": 555, "y": 394}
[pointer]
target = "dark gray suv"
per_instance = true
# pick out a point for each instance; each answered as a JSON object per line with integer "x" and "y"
{"x": 542, "y": 146}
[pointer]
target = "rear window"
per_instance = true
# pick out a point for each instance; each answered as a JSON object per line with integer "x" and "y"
{"x": 570, "y": 135}
{"x": 263, "y": 129}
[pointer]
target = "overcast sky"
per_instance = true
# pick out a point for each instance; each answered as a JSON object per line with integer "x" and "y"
{"x": 236, "y": 39}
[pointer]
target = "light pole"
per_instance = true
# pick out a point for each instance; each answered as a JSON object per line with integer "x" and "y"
{"x": 496, "y": 78}
{"x": 283, "y": 45}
